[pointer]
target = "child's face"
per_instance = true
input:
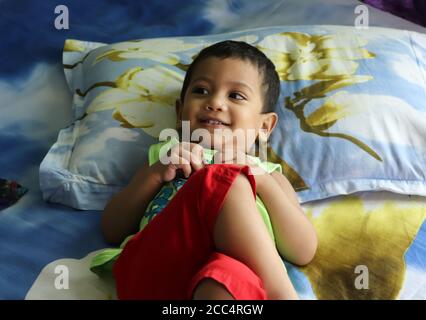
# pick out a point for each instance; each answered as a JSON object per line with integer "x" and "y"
{"x": 230, "y": 91}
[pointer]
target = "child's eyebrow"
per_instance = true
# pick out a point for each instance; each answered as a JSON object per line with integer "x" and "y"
{"x": 241, "y": 83}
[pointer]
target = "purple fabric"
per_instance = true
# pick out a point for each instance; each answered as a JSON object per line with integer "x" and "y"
{"x": 413, "y": 10}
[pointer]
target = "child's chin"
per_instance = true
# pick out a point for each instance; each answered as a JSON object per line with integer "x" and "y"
{"x": 220, "y": 143}
{"x": 213, "y": 144}
{"x": 217, "y": 142}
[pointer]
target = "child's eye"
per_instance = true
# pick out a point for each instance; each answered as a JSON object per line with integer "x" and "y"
{"x": 237, "y": 96}
{"x": 200, "y": 90}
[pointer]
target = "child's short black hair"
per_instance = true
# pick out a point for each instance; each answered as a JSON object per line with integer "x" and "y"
{"x": 244, "y": 51}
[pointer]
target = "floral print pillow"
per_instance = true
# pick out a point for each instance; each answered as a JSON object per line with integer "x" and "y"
{"x": 352, "y": 110}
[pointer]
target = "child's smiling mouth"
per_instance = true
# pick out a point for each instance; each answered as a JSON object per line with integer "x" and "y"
{"x": 213, "y": 122}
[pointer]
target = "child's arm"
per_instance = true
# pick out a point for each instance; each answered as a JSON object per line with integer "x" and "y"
{"x": 294, "y": 234}
{"x": 123, "y": 213}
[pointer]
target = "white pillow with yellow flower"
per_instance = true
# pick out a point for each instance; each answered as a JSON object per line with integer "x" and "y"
{"x": 352, "y": 110}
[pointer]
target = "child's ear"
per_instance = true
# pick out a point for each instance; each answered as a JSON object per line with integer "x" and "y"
{"x": 269, "y": 122}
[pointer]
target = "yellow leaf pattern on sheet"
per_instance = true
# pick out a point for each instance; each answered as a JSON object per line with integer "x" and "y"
{"x": 350, "y": 235}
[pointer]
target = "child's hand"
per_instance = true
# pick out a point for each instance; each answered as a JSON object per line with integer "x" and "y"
{"x": 184, "y": 156}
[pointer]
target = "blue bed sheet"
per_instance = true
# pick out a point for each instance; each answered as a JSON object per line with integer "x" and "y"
{"x": 35, "y": 105}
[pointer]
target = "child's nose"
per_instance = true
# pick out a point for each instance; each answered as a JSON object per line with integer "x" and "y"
{"x": 216, "y": 103}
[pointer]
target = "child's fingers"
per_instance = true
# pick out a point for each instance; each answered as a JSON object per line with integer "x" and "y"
{"x": 183, "y": 164}
{"x": 178, "y": 160}
{"x": 193, "y": 153}
{"x": 184, "y": 161}
{"x": 198, "y": 151}
{"x": 186, "y": 169}
{"x": 196, "y": 163}
{"x": 183, "y": 158}
{"x": 197, "y": 156}
{"x": 190, "y": 157}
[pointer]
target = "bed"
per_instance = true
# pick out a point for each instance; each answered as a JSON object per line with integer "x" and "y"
{"x": 372, "y": 242}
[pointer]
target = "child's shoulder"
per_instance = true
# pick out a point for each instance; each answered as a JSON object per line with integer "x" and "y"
{"x": 266, "y": 165}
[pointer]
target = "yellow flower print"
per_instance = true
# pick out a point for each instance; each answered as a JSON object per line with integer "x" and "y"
{"x": 351, "y": 235}
{"x": 337, "y": 106}
{"x": 142, "y": 98}
{"x": 74, "y": 45}
{"x": 160, "y": 50}
{"x": 299, "y": 56}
